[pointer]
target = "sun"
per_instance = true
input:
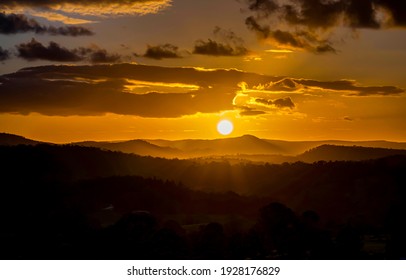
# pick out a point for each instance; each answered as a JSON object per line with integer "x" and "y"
{"x": 225, "y": 127}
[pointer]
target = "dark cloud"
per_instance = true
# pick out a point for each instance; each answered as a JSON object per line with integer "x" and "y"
{"x": 65, "y": 8}
{"x": 351, "y": 88}
{"x": 344, "y": 87}
{"x": 295, "y": 39}
{"x": 280, "y": 103}
{"x": 102, "y": 56}
{"x": 246, "y": 111}
{"x": 34, "y": 50}
{"x": 53, "y": 3}
{"x": 69, "y": 31}
{"x": 95, "y": 55}
{"x": 18, "y": 23}
{"x": 377, "y": 91}
{"x": 228, "y": 44}
{"x": 162, "y": 51}
{"x": 99, "y": 89}
{"x": 4, "y": 54}
{"x": 214, "y": 48}
{"x": 397, "y": 9}
{"x": 309, "y": 24}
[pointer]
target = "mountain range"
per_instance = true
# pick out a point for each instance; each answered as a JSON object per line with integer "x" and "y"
{"x": 246, "y": 147}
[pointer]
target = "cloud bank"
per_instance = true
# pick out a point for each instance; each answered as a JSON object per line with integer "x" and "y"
{"x": 310, "y": 24}
{"x": 129, "y": 89}
{"x": 35, "y": 50}
{"x": 162, "y": 51}
{"x": 227, "y": 44}
{"x": 18, "y": 23}
{"x": 68, "y": 10}
{"x": 4, "y": 54}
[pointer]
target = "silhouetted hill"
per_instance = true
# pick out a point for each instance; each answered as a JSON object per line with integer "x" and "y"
{"x": 11, "y": 139}
{"x": 246, "y": 144}
{"x": 60, "y": 199}
{"x": 139, "y": 147}
{"x": 243, "y": 148}
{"x": 299, "y": 147}
{"x": 53, "y": 163}
{"x": 346, "y": 153}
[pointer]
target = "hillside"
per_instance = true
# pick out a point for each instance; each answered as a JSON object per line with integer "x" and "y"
{"x": 246, "y": 144}
{"x": 347, "y": 153}
{"x": 139, "y": 147}
{"x": 73, "y": 163}
{"x": 11, "y": 139}
{"x": 75, "y": 197}
{"x": 245, "y": 148}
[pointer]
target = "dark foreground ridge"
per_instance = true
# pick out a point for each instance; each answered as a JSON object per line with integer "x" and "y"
{"x": 70, "y": 202}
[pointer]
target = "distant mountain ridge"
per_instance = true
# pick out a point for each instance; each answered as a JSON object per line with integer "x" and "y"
{"x": 7, "y": 139}
{"x": 347, "y": 153}
{"x": 246, "y": 147}
{"x": 246, "y": 144}
{"x": 139, "y": 147}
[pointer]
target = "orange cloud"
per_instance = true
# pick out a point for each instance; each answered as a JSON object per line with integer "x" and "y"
{"x": 68, "y": 11}
{"x": 159, "y": 92}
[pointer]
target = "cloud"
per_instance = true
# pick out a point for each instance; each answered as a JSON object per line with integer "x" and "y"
{"x": 291, "y": 39}
{"x": 162, "y": 51}
{"x": 101, "y": 89}
{"x": 246, "y": 111}
{"x": 51, "y": 16}
{"x": 351, "y": 88}
{"x": 4, "y": 54}
{"x": 69, "y": 31}
{"x": 277, "y": 96}
{"x": 35, "y": 50}
{"x": 229, "y": 44}
{"x": 310, "y": 24}
{"x": 280, "y": 103}
{"x": 305, "y": 86}
{"x": 160, "y": 92}
{"x": 95, "y": 55}
{"x": 18, "y": 23}
{"x": 68, "y": 10}
{"x": 214, "y": 48}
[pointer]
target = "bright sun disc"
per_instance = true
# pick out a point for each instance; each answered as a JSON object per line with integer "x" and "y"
{"x": 225, "y": 127}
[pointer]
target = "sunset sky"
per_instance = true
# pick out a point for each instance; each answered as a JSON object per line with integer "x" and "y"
{"x": 140, "y": 69}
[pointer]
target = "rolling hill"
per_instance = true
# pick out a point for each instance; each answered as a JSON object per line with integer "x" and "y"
{"x": 7, "y": 139}
{"x": 346, "y": 153}
{"x": 139, "y": 147}
{"x": 243, "y": 148}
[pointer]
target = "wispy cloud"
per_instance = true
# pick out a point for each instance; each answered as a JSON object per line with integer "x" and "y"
{"x": 50, "y": 16}
{"x": 306, "y": 86}
{"x": 19, "y": 23}
{"x": 69, "y": 10}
